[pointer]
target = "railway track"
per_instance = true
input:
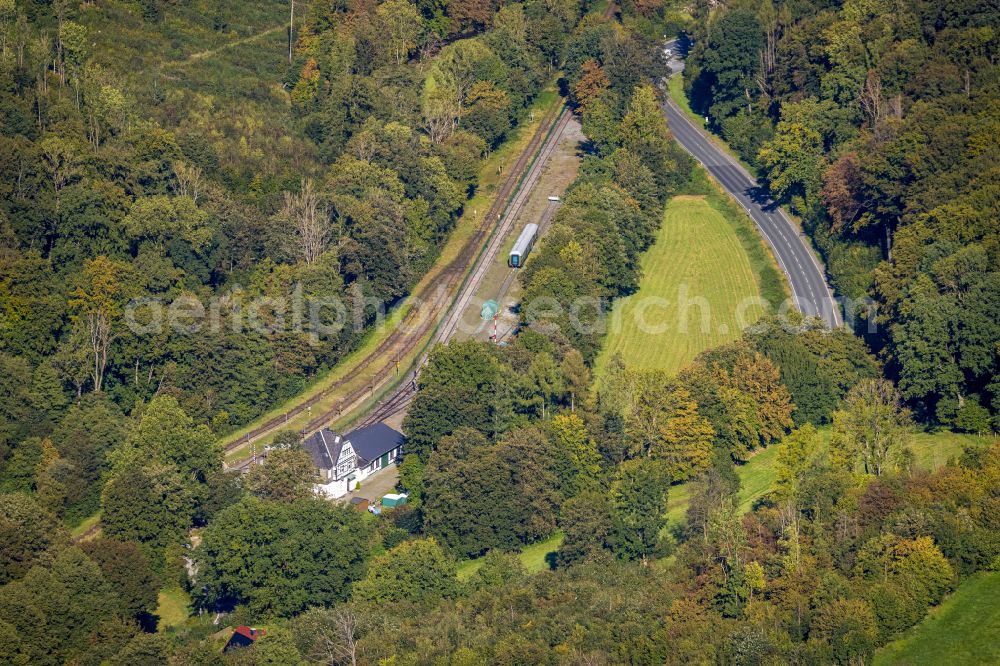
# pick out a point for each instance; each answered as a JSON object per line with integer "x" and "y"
{"x": 403, "y": 395}
{"x": 419, "y": 321}
{"x": 543, "y": 225}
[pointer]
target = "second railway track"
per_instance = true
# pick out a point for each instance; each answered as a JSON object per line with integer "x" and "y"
{"x": 418, "y": 322}
{"x": 400, "y": 398}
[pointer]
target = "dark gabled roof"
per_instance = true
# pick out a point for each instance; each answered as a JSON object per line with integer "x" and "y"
{"x": 372, "y": 441}
{"x": 324, "y": 447}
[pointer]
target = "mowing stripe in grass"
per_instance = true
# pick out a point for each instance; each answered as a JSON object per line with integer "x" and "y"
{"x": 700, "y": 271}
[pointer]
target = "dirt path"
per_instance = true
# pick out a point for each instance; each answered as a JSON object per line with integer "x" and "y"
{"x": 201, "y": 55}
{"x": 91, "y": 533}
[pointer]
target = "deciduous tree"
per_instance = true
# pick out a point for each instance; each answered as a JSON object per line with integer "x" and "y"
{"x": 126, "y": 568}
{"x": 279, "y": 558}
{"x": 588, "y": 526}
{"x": 401, "y": 25}
{"x": 97, "y": 302}
{"x": 285, "y": 475}
{"x": 639, "y": 501}
{"x": 307, "y": 221}
{"x": 418, "y": 570}
{"x": 166, "y": 433}
{"x": 29, "y": 535}
{"x": 872, "y": 428}
{"x": 148, "y": 504}
{"x": 580, "y": 463}
{"x": 592, "y": 82}
{"x": 576, "y": 376}
{"x": 793, "y": 160}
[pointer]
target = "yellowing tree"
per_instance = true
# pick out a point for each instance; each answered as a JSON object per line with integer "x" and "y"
{"x": 575, "y": 374}
{"x": 758, "y": 377}
{"x": 593, "y": 81}
{"x": 754, "y": 579}
{"x": 160, "y": 218}
{"x": 418, "y": 571}
{"x": 685, "y": 439}
{"x": 98, "y": 303}
{"x": 664, "y": 423}
{"x": 450, "y": 81}
{"x": 795, "y": 456}
{"x": 574, "y": 444}
{"x": 50, "y": 492}
{"x": 644, "y": 132}
{"x": 794, "y": 163}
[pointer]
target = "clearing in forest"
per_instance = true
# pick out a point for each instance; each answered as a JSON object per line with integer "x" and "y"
{"x": 758, "y": 475}
{"x": 757, "y": 478}
{"x": 700, "y": 287}
{"x": 962, "y": 630}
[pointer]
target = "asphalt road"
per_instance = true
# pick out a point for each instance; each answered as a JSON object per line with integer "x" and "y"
{"x": 811, "y": 294}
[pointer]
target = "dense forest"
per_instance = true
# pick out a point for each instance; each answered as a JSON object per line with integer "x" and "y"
{"x": 876, "y": 123}
{"x": 200, "y": 193}
{"x": 338, "y": 166}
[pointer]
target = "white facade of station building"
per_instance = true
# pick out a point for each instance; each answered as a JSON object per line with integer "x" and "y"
{"x": 344, "y": 461}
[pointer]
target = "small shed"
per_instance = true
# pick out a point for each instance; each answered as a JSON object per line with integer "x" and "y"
{"x": 242, "y": 637}
{"x": 490, "y": 308}
{"x": 394, "y": 499}
{"x": 359, "y": 503}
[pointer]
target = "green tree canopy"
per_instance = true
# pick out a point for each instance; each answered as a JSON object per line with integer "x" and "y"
{"x": 286, "y": 475}
{"x": 639, "y": 501}
{"x": 418, "y": 570}
{"x": 149, "y": 504}
{"x": 871, "y": 429}
{"x": 279, "y": 558}
{"x": 29, "y": 535}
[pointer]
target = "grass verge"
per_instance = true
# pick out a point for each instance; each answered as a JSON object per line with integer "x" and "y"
{"x": 85, "y": 526}
{"x": 675, "y": 88}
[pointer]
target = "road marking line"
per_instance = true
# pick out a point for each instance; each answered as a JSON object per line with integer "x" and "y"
{"x": 671, "y": 109}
